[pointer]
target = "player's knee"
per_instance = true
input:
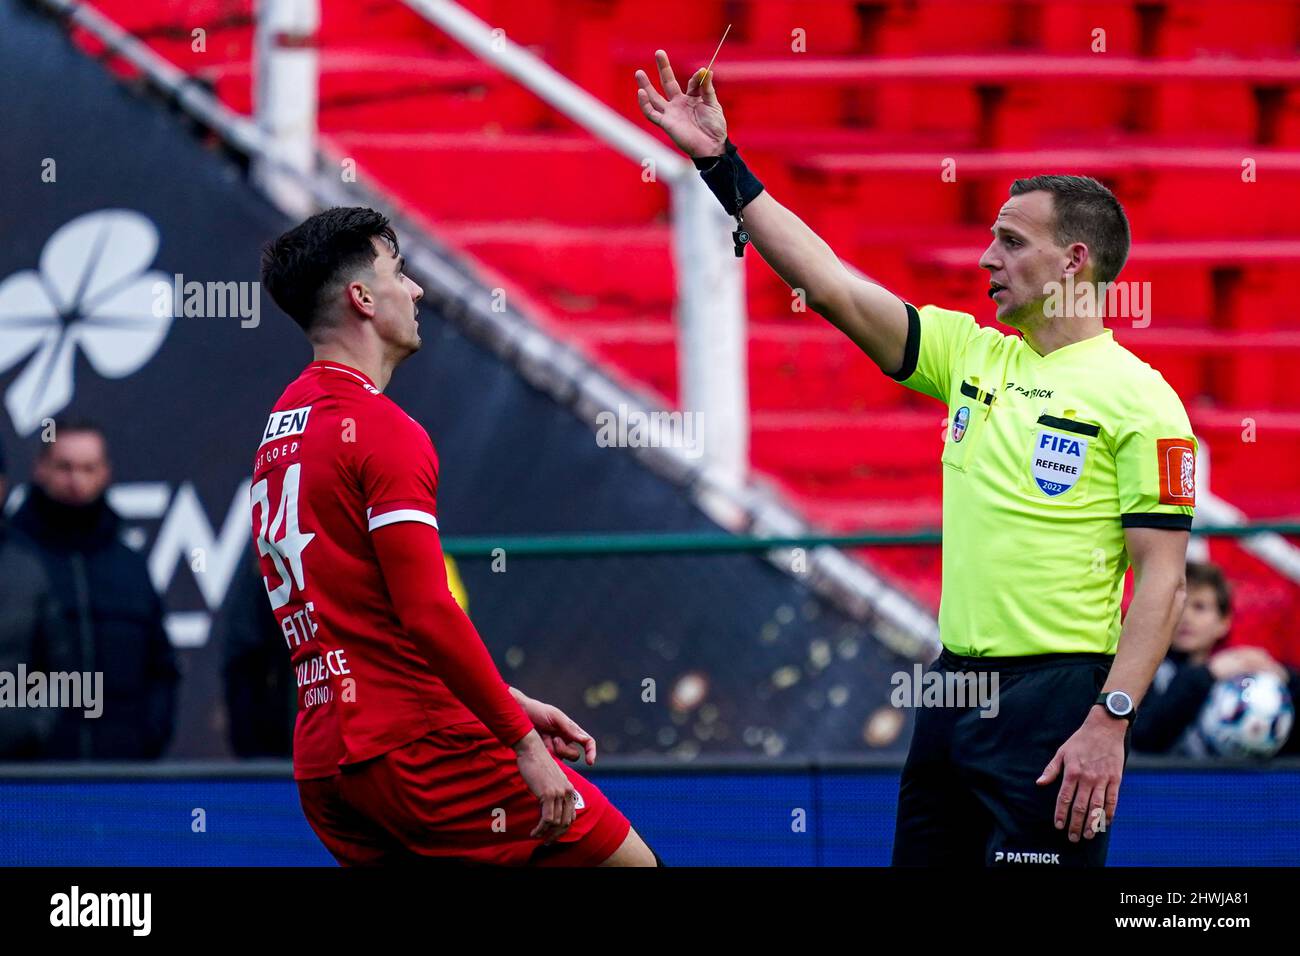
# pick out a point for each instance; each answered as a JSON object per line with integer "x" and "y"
{"x": 633, "y": 852}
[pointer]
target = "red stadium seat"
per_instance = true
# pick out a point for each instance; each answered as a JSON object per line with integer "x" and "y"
{"x": 850, "y": 130}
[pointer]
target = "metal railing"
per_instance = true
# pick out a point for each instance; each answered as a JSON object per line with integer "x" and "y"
{"x": 585, "y": 545}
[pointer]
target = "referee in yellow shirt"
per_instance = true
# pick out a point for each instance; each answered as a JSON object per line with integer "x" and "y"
{"x": 1066, "y": 458}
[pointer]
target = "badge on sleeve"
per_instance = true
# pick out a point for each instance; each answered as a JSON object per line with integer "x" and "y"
{"x": 1176, "y": 460}
{"x": 959, "y": 423}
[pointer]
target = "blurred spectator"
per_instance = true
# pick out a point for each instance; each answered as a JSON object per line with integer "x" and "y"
{"x": 1197, "y": 660}
{"x": 261, "y": 696}
{"x": 28, "y": 623}
{"x": 112, "y": 619}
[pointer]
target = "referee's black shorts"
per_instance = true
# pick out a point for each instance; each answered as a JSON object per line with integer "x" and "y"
{"x": 968, "y": 796}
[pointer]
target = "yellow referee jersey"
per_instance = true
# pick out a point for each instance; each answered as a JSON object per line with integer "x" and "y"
{"x": 1046, "y": 460}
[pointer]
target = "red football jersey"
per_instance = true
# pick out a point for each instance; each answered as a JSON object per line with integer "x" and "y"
{"x": 339, "y": 459}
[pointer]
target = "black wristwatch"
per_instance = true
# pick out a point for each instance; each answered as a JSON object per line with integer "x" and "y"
{"x": 1118, "y": 704}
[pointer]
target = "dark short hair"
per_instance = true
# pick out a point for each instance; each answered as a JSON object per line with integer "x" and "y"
{"x": 1087, "y": 212}
{"x": 1201, "y": 575}
{"x": 73, "y": 426}
{"x": 304, "y": 267}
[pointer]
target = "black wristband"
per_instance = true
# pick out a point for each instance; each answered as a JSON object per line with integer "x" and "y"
{"x": 729, "y": 179}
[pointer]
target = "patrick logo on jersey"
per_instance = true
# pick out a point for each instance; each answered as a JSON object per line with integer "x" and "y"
{"x": 1057, "y": 462}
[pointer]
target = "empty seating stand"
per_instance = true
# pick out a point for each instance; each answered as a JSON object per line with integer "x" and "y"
{"x": 851, "y": 111}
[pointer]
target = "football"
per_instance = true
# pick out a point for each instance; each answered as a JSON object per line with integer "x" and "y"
{"x": 1248, "y": 716}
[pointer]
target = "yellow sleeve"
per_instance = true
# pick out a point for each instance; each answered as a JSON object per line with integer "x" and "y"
{"x": 936, "y": 339}
{"x": 1155, "y": 462}
{"x": 455, "y": 584}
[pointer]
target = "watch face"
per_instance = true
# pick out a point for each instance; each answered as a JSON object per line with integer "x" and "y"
{"x": 1119, "y": 703}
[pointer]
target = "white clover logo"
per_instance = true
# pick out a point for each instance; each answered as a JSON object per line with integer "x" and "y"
{"x": 92, "y": 292}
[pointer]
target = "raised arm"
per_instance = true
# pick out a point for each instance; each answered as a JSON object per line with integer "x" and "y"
{"x": 872, "y": 316}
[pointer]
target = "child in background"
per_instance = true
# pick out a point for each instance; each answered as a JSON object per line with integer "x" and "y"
{"x": 1197, "y": 661}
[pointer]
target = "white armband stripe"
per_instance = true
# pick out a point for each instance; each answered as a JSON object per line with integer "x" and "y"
{"x": 402, "y": 514}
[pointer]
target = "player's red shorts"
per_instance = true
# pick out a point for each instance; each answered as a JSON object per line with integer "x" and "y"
{"x": 453, "y": 795}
